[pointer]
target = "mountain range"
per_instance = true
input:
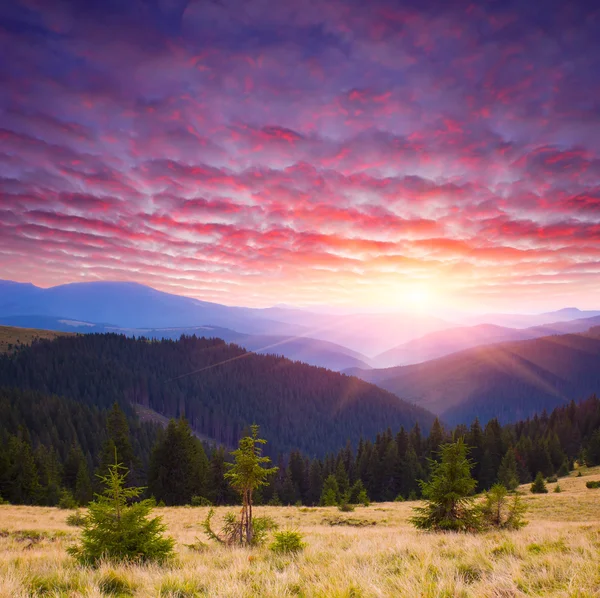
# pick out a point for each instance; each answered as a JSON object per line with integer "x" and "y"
{"x": 510, "y": 381}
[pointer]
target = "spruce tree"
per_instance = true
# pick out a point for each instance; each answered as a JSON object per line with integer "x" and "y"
{"x": 449, "y": 501}
{"x": 119, "y": 529}
{"x": 178, "y": 466}
{"x": 539, "y": 484}
{"x": 508, "y": 475}
{"x": 330, "y": 496}
{"x": 246, "y": 474}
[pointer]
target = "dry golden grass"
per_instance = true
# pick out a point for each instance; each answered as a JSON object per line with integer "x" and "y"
{"x": 557, "y": 554}
{"x": 11, "y": 336}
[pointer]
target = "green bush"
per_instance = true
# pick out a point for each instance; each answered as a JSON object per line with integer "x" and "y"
{"x": 346, "y": 507}
{"x": 3, "y": 502}
{"x": 287, "y": 542}
{"x": 200, "y": 501}
{"x": 539, "y": 486}
{"x": 592, "y": 484}
{"x": 66, "y": 501}
{"x": 557, "y": 488}
{"x": 498, "y": 511}
{"x": 116, "y": 530}
{"x": 552, "y": 479}
{"x": 115, "y": 584}
{"x": 76, "y": 519}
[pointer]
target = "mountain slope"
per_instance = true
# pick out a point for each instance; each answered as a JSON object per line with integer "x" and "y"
{"x": 444, "y": 342}
{"x": 510, "y": 380}
{"x": 297, "y": 348}
{"x": 219, "y": 387}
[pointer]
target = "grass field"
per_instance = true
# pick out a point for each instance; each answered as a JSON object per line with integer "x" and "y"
{"x": 12, "y": 337}
{"x": 557, "y": 554}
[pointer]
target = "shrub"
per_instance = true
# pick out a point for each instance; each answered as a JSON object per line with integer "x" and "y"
{"x": 115, "y": 530}
{"x": 76, "y": 519}
{"x": 592, "y": 484}
{"x": 399, "y": 498}
{"x": 229, "y": 533}
{"x": 200, "y": 501}
{"x": 552, "y": 479}
{"x": 539, "y": 486}
{"x": 497, "y": 511}
{"x": 114, "y": 584}
{"x": 579, "y": 474}
{"x": 557, "y": 488}
{"x": 287, "y": 542}
{"x": 3, "y": 502}
{"x": 66, "y": 501}
{"x": 346, "y": 507}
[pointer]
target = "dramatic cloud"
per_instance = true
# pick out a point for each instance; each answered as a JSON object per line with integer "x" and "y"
{"x": 305, "y": 152}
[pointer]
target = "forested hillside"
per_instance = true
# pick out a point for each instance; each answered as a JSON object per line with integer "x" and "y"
{"x": 510, "y": 381}
{"x": 220, "y": 389}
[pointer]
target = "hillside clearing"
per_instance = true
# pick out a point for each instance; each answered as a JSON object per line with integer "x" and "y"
{"x": 12, "y": 337}
{"x": 555, "y": 555}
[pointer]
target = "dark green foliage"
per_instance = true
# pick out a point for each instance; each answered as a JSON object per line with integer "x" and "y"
{"x": 449, "y": 501}
{"x": 502, "y": 512}
{"x": 222, "y": 398}
{"x": 200, "y": 501}
{"x": 358, "y": 494}
{"x": 67, "y": 501}
{"x": 592, "y": 450}
{"x": 287, "y": 542}
{"x": 330, "y": 496}
{"x": 539, "y": 485}
{"x": 508, "y": 474}
{"x": 117, "y": 529}
{"x": 178, "y": 466}
{"x": 592, "y": 484}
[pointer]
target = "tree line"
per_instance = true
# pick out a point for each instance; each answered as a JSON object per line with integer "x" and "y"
{"x": 52, "y": 451}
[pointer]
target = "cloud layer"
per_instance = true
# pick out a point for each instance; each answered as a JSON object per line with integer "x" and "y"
{"x": 305, "y": 152}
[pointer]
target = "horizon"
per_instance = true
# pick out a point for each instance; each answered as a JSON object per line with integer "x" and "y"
{"x": 325, "y": 309}
{"x": 426, "y": 158}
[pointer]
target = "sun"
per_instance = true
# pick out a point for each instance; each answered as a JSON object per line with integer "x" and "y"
{"x": 419, "y": 297}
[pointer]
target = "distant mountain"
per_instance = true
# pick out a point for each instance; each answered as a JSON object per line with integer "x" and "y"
{"x": 307, "y": 350}
{"x": 530, "y": 320}
{"x": 220, "y": 388}
{"x": 510, "y": 381}
{"x": 444, "y": 342}
{"x": 131, "y": 305}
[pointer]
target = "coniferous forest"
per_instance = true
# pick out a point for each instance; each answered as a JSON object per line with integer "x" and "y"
{"x": 58, "y": 430}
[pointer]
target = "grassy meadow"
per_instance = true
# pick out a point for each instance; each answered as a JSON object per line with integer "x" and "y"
{"x": 371, "y": 552}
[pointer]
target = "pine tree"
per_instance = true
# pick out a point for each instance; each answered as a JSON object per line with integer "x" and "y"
{"x": 178, "y": 466}
{"x": 115, "y": 530}
{"x": 508, "y": 475}
{"x": 83, "y": 485}
{"x": 449, "y": 505}
{"x": 246, "y": 474}
{"x": 539, "y": 485}
{"x": 330, "y": 496}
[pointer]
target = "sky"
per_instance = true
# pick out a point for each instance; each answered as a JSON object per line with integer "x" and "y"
{"x": 371, "y": 154}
